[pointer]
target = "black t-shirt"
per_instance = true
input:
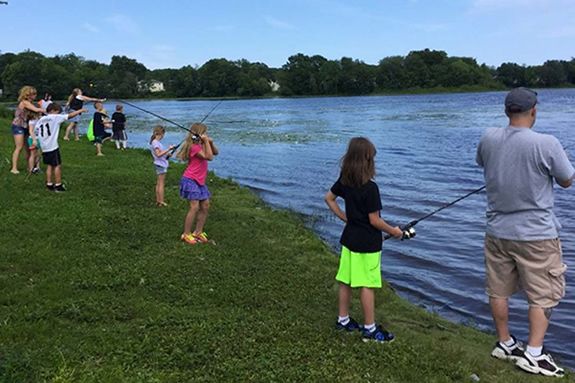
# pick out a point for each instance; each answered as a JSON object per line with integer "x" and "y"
{"x": 99, "y": 128}
{"x": 76, "y": 104}
{"x": 119, "y": 121}
{"x": 359, "y": 235}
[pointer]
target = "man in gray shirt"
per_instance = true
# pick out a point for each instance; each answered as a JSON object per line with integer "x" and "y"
{"x": 522, "y": 247}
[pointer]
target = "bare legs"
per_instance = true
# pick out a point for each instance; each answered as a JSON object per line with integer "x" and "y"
{"x": 18, "y": 146}
{"x": 198, "y": 211}
{"x": 99, "y": 149}
{"x": 160, "y": 189}
{"x": 32, "y": 160}
{"x": 73, "y": 126}
{"x": 56, "y": 171}
{"x": 367, "y": 299}
{"x": 538, "y": 322}
{"x": 99, "y": 146}
{"x": 202, "y": 216}
{"x": 344, "y": 299}
{"x": 500, "y": 313}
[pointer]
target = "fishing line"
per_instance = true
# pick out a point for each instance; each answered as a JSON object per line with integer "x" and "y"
{"x": 170, "y": 121}
{"x": 409, "y": 231}
{"x": 153, "y": 114}
{"x": 201, "y": 121}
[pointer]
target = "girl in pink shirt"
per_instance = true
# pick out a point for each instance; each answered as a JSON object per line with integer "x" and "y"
{"x": 197, "y": 150}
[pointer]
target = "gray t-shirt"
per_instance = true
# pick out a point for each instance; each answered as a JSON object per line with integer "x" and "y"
{"x": 519, "y": 168}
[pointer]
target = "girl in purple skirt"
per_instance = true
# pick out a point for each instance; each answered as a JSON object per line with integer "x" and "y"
{"x": 197, "y": 150}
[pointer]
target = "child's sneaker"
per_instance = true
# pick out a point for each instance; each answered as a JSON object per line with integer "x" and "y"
{"x": 50, "y": 187}
{"x": 542, "y": 364}
{"x": 350, "y": 326}
{"x": 189, "y": 239}
{"x": 514, "y": 352}
{"x": 202, "y": 237}
{"x": 377, "y": 335}
{"x": 59, "y": 188}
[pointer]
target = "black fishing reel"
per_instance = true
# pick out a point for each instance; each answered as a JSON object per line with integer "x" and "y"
{"x": 408, "y": 230}
{"x": 196, "y": 138}
{"x": 408, "y": 233}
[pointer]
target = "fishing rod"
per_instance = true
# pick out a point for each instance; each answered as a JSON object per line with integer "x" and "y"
{"x": 409, "y": 231}
{"x": 154, "y": 114}
{"x": 171, "y": 121}
{"x": 195, "y": 136}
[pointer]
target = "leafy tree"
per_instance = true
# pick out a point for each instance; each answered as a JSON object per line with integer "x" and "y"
{"x": 570, "y": 71}
{"x": 186, "y": 82}
{"x": 122, "y": 64}
{"x": 417, "y": 70}
{"x": 5, "y": 60}
{"x": 512, "y": 75}
{"x": 356, "y": 77}
{"x": 302, "y": 74}
{"x": 219, "y": 77}
{"x": 552, "y": 73}
{"x": 391, "y": 73}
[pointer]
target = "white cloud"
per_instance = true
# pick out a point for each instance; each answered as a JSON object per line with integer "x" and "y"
{"x": 278, "y": 24}
{"x": 123, "y": 24}
{"x": 90, "y": 28}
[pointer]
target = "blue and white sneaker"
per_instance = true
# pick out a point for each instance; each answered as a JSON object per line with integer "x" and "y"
{"x": 377, "y": 335}
{"x": 350, "y": 326}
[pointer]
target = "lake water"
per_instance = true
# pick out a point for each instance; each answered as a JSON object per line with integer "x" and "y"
{"x": 288, "y": 150}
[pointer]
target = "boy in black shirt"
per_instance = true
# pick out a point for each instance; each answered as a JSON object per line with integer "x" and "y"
{"x": 119, "y": 128}
{"x": 101, "y": 122}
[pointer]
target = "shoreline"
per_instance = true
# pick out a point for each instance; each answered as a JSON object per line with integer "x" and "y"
{"x": 387, "y": 92}
{"x": 100, "y": 289}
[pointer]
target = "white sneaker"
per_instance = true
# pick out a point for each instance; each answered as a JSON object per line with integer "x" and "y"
{"x": 542, "y": 364}
{"x": 514, "y": 352}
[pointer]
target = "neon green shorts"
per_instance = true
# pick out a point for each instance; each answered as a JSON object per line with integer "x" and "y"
{"x": 359, "y": 269}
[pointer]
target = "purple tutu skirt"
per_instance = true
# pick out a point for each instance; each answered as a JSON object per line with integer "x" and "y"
{"x": 192, "y": 191}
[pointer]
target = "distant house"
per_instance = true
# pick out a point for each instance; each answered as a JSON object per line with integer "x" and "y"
{"x": 274, "y": 86}
{"x": 152, "y": 86}
{"x": 156, "y": 86}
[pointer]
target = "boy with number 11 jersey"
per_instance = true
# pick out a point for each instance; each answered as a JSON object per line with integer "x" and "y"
{"x": 47, "y": 131}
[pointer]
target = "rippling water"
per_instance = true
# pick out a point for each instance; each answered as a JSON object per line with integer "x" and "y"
{"x": 288, "y": 151}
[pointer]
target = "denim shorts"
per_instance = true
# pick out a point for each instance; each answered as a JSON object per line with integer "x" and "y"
{"x": 161, "y": 169}
{"x": 18, "y": 130}
{"x": 75, "y": 118}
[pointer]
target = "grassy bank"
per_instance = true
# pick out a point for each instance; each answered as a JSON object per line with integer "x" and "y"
{"x": 95, "y": 286}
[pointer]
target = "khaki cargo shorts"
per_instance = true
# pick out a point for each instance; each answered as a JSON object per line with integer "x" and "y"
{"x": 536, "y": 267}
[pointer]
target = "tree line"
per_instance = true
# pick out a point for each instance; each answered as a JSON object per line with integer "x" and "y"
{"x": 301, "y": 75}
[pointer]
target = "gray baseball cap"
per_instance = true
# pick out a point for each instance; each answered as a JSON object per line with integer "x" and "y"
{"x": 520, "y": 100}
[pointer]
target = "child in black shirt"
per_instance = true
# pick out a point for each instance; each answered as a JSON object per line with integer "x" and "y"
{"x": 119, "y": 128}
{"x": 101, "y": 122}
{"x": 361, "y": 240}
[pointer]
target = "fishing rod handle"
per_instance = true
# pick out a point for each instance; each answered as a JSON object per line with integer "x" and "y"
{"x": 408, "y": 231}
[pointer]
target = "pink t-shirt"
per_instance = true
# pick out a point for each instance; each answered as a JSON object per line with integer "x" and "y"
{"x": 197, "y": 167}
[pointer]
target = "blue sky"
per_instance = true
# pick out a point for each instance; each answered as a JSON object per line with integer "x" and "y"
{"x": 170, "y": 33}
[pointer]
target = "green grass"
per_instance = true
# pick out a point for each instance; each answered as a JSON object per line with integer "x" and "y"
{"x": 95, "y": 286}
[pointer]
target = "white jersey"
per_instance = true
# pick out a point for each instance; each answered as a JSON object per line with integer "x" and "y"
{"x": 47, "y": 130}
